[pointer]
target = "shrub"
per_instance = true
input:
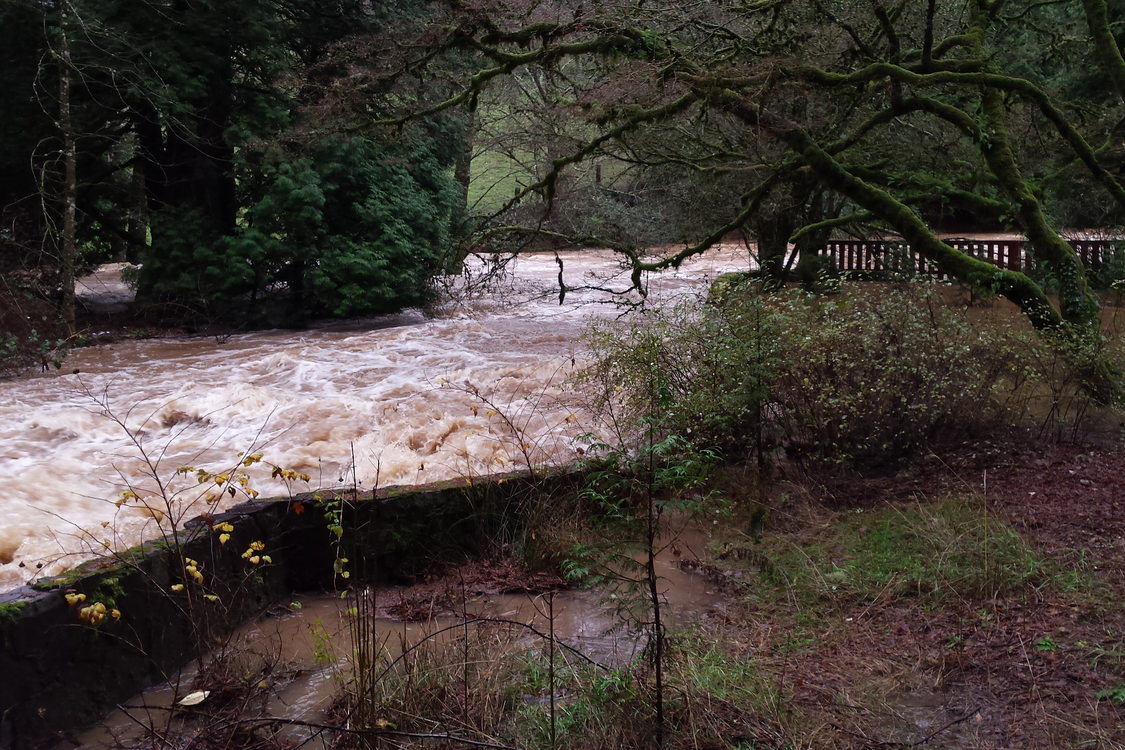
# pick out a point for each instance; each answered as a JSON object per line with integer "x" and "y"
{"x": 697, "y": 371}
{"x": 872, "y": 375}
{"x": 859, "y": 379}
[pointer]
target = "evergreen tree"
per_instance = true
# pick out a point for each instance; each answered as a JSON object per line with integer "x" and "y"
{"x": 195, "y": 156}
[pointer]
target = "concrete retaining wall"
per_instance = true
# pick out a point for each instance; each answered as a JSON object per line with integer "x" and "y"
{"x": 58, "y": 672}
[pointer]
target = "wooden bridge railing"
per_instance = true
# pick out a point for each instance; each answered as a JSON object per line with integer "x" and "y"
{"x": 886, "y": 256}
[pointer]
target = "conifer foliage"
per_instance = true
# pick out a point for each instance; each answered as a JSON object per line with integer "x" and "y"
{"x": 199, "y": 159}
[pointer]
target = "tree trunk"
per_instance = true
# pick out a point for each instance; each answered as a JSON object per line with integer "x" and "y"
{"x": 1108, "y": 53}
{"x": 138, "y": 209}
{"x": 68, "y": 245}
{"x": 772, "y": 232}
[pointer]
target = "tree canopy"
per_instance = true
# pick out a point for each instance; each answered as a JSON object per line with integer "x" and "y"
{"x": 317, "y": 154}
{"x": 796, "y": 117}
{"x": 206, "y": 153}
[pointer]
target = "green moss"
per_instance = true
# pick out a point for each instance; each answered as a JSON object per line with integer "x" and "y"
{"x": 10, "y": 612}
{"x": 54, "y": 583}
{"x": 108, "y": 591}
{"x": 105, "y": 575}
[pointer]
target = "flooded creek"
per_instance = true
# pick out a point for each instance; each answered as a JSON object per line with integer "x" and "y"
{"x": 402, "y": 399}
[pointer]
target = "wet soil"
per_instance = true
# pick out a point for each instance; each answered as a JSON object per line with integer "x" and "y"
{"x": 1021, "y": 670}
{"x": 448, "y": 590}
{"x": 1016, "y": 671}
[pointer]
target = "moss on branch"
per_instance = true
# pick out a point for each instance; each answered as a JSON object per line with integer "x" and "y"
{"x": 985, "y": 80}
{"x": 1013, "y": 285}
{"x": 1109, "y": 54}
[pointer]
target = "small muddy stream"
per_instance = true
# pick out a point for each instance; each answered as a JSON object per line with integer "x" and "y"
{"x": 307, "y": 647}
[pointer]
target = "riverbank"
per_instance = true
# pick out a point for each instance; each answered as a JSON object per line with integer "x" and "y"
{"x": 969, "y": 602}
{"x": 76, "y": 644}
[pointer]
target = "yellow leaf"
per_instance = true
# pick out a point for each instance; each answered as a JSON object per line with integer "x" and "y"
{"x": 224, "y": 538}
{"x": 177, "y": 587}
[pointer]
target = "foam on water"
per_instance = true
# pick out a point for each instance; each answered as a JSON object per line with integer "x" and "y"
{"x": 480, "y": 390}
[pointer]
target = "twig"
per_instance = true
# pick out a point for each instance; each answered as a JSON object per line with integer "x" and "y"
{"x": 917, "y": 743}
{"x": 148, "y": 728}
{"x": 972, "y": 712}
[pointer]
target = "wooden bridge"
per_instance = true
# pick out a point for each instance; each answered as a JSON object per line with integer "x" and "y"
{"x": 896, "y": 257}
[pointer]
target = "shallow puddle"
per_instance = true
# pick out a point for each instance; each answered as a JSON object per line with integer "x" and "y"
{"x": 302, "y": 650}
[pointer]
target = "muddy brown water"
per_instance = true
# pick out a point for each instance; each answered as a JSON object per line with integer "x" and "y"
{"x": 307, "y": 643}
{"x": 402, "y": 395}
{"x": 405, "y": 395}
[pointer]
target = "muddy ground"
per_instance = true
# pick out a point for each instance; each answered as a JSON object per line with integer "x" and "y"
{"x": 1021, "y": 670}
{"x": 1027, "y": 668}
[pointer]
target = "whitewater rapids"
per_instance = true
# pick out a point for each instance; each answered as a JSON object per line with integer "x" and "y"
{"x": 481, "y": 388}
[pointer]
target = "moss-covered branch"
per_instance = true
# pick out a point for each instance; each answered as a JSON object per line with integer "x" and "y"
{"x": 630, "y": 120}
{"x": 1109, "y": 54}
{"x": 509, "y": 62}
{"x": 751, "y": 202}
{"x": 984, "y": 80}
{"x": 865, "y": 217}
{"x": 1013, "y": 285}
{"x": 1077, "y": 303}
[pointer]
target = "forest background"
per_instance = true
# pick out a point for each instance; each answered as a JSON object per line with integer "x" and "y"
{"x": 268, "y": 162}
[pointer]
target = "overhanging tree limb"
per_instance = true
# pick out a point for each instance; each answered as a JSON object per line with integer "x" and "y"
{"x": 1077, "y": 303}
{"x": 1109, "y": 54}
{"x": 987, "y": 80}
{"x": 1013, "y": 285}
